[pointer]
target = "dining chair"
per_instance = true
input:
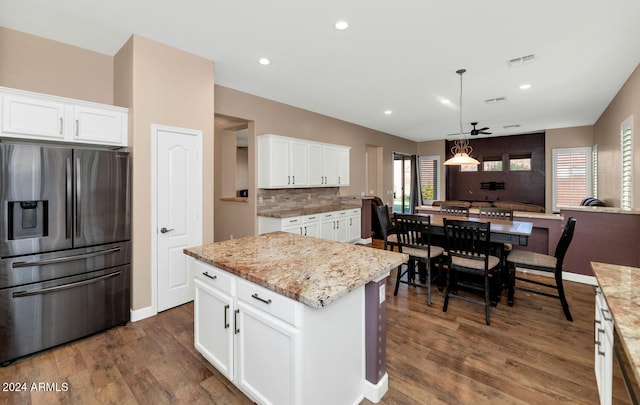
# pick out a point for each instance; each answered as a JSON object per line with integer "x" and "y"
{"x": 541, "y": 262}
{"x": 501, "y": 249}
{"x": 505, "y": 214}
{"x": 457, "y": 210}
{"x": 467, "y": 250}
{"x": 414, "y": 239}
{"x": 387, "y": 228}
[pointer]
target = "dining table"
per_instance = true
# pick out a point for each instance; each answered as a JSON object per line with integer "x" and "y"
{"x": 502, "y": 231}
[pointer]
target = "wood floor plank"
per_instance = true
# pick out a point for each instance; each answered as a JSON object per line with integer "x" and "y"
{"x": 530, "y": 354}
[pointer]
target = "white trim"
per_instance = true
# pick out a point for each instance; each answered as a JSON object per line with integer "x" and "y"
{"x": 375, "y": 392}
{"x": 155, "y": 128}
{"x": 140, "y": 314}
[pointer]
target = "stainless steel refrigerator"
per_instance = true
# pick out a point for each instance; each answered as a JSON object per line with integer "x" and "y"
{"x": 65, "y": 250}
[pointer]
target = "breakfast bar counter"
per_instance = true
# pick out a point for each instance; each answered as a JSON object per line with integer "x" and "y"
{"x": 292, "y": 319}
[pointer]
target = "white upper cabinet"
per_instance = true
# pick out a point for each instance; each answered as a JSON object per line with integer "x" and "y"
{"x": 28, "y": 115}
{"x": 291, "y": 162}
{"x": 32, "y": 117}
{"x": 282, "y": 162}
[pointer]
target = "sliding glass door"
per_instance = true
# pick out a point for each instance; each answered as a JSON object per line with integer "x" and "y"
{"x": 401, "y": 182}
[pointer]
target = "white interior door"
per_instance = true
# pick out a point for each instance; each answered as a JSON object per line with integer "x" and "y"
{"x": 179, "y": 212}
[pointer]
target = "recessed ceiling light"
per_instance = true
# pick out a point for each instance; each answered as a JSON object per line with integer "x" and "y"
{"x": 445, "y": 101}
{"x": 341, "y": 25}
{"x": 388, "y": 112}
{"x": 264, "y": 61}
{"x": 525, "y": 87}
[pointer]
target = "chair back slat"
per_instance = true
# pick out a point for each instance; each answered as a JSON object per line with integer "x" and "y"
{"x": 467, "y": 239}
{"x": 505, "y": 214}
{"x": 456, "y": 210}
{"x": 382, "y": 212}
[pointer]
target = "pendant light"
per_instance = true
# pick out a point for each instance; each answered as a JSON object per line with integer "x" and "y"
{"x": 461, "y": 150}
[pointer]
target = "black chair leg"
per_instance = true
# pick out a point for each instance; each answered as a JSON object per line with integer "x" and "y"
{"x": 428, "y": 264}
{"x": 486, "y": 298}
{"x": 563, "y": 300}
{"x": 512, "y": 283}
{"x": 395, "y": 291}
{"x": 447, "y": 291}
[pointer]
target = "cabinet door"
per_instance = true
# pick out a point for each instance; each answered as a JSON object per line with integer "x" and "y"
{"x": 97, "y": 125}
{"x": 312, "y": 229}
{"x": 327, "y": 226}
{"x": 213, "y": 327}
{"x": 297, "y": 229}
{"x": 342, "y": 156}
{"x": 267, "y": 357}
{"x": 273, "y": 162}
{"x": 354, "y": 227}
{"x": 32, "y": 117}
{"x": 342, "y": 230}
{"x": 299, "y": 152}
{"x": 316, "y": 165}
{"x": 331, "y": 166}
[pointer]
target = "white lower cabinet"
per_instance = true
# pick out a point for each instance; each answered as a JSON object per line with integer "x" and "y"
{"x": 277, "y": 350}
{"x": 339, "y": 226}
{"x": 603, "y": 351}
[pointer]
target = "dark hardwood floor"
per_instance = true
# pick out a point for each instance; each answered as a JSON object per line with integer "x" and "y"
{"x": 530, "y": 354}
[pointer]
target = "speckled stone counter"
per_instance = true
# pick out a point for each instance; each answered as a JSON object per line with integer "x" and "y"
{"x": 620, "y": 286}
{"x": 308, "y": 210}
{"x": 313, "y": 271}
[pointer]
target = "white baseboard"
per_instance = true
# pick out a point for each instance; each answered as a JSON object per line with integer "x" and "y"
{"x": 374, "y": 393}
{"x": 140, "y": 314}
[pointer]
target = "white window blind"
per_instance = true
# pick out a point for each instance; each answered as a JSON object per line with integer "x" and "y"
{"x": 594, "y": 165}
{"x": 571, "y": 176}
{"x": 626, "y": 154}
{"x": 429, "y": 178}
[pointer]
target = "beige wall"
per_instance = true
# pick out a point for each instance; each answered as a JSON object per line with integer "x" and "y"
{"x": 277, "y": 118}
{"x": 573, "y": 137}
{"x": 166, "y": 86}
{"x": 28, "y": 62}
{"x": 607, "y": 136}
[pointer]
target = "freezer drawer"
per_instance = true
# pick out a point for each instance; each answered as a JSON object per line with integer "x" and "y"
{"x": 22, "y": 270}
{"x": 42, "y": 315}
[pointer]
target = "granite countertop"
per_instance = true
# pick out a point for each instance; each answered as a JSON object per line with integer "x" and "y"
{"x": 605, "y": 210}
{"x": 620, "y": 286}
{"x": 313, "y": 271}
{"x": 295, "y": 212}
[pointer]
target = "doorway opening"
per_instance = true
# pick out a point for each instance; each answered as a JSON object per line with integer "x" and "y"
{"x": 401, "y": 182}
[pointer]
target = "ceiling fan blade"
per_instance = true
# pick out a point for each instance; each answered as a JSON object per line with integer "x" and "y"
{"x": 485, "y": 133}
{"x": 483, "y": 129}
{"x": 458, "y": 133}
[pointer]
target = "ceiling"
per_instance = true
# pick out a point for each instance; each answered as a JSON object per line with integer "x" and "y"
{"x": 397, "y": 55}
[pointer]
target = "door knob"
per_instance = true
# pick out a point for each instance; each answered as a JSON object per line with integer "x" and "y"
{"x": 165, "y": 230}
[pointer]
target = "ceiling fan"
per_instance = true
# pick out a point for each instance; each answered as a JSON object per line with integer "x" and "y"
{"x": 474, "y": 131}
{"x": 480, "y": 131}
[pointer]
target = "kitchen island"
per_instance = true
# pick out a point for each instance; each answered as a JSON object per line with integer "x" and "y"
{"x": 293, "y": 319}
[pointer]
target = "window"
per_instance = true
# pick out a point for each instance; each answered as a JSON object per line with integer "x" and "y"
{"x": 429, "y": 178}
{"x": 571, "y": 176}
{"x": 626, "y": 155}
{"x": 469, "y": 168}
{"x": 519, "y": 163}
{"x": 492, "y": 164}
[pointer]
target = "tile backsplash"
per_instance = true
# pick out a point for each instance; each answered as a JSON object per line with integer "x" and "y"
{"x": 291, "y": 198}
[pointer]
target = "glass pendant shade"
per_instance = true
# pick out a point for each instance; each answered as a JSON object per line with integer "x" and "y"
{"x": 461, "y": 152}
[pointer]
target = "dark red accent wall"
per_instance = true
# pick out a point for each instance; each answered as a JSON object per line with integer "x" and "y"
{"x": 520, "y": 186}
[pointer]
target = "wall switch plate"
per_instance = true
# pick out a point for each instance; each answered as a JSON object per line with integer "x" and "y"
{"x": 382, "y": 293}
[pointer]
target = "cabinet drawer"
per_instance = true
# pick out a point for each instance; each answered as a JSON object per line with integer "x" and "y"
{"x": 327, "y": 216}
{"x": 311, "y": 218}
{"x": 355, "y": 211}
{"x": 213, "y": 276}
{"x": 292, "y": 221}
{"x": 341, "y": 214}
{"x": 269, "y": 301}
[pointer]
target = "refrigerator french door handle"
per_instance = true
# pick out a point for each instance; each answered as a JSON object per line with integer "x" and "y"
{"x": 69, "y": 200}
{"x": 78, "y": 199}
{"x": 65, "y": 259}
{"x": 64, "y": 286}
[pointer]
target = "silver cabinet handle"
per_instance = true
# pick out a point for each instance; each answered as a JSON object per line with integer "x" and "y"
{"x": 206, "y": 274}
{"x": 165, "y": 230}
{"x": 61, "y": 126}
{"x": 77, "y": 127}
{"x": 64, "y": 286}
{"x": 256, "y": 296}
{"x": 65, "y": 259}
